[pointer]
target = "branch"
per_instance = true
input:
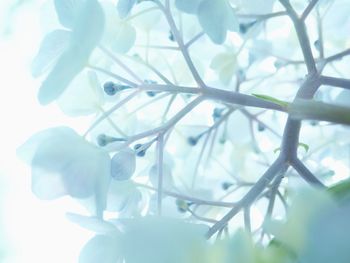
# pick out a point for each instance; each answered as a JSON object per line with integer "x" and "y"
{"x": 195, "y": 200}
{"x": 337, "y": 56}
{"x": 303, "y": 38}
{"x": 182, "y": 46}
{"x": 160, "y": 149}
{"x": 335, "y": 82}
{"x": 252, "y": 194}
{"x": 308, "y": 9}
{"x": 306, "y": 174}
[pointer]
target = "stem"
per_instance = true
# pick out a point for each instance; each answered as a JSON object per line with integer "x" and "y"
{"x": 335, "y": 82}
{"x": 306, "y": 174}
{"x": 195, "y": 200}
{"x": 183, "y": 48}
{"x": 303, "y": 38}
{"x": 308, "y": 9}
{"x": 160, "y": 148}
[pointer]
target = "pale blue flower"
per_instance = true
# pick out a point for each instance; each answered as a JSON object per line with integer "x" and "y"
{"x": 63, "y": 163}
{"x": 86, "y": 21}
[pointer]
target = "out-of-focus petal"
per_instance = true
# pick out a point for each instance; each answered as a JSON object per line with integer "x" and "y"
{"x": 83, "y": 96}
{"x": 86, "y": 33}
{"x": 52, "y": 47}
{"x": 101, "y": 248}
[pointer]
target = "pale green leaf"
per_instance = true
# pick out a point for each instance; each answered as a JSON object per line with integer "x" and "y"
{"x": 272, "y": 99}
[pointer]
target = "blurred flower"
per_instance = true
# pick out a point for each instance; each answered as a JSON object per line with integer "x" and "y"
{"x": 63, "y": 163}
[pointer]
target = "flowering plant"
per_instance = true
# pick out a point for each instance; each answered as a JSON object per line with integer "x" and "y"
{"x": 208, "y": 116}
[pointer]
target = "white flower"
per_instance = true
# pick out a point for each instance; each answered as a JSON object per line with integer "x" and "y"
{"x": 63, "y": 163}
{"x": 69, "y": 50}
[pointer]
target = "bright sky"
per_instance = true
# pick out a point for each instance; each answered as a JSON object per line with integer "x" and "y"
{"x": 35, "y": 231}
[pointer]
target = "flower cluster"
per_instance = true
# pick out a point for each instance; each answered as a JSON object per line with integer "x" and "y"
{"x": 197, "y": 112}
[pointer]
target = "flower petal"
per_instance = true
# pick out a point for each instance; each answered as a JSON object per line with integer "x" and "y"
{"x": 92, "y": 223}
{"x": 123, "y": 165}
{"x": 123, "y": 196}
{"x": 83, "y": 96}
{"x": 64, "y": 163}
{"x": 124, "y": 38}
{"x": 101, "y": 248}
{"x": 167, "y": 176}
{"x": 212, "y": 16}
{"x": 162, "y": 240}
{"x": 86, "y": 34}
{"x": 124, "y": 7}
{"x": 67, "y": 11}
{"x": 188, "y": 6}
{"x": 52, "y": 46}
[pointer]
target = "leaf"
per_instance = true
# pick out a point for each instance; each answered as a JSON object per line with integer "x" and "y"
{"x": 123, "y": 165}
{"x": 272, "y": 99}
{"x": 340, "y": 190}
{"x": 187, "y": 6}
{"x": 124, "y": 7}
{"x": 212, "y": 16}
{"x": 304, "y": 145}
{"x": 101, "y": 248}
{"x": 67, "y": 11}
{"x": 86, "y": 33}
{"x": 315, "y": 110}
{"x": 51, "y": 48}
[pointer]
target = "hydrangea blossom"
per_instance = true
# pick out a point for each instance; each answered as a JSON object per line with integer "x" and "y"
{"x": 211, "y": 112}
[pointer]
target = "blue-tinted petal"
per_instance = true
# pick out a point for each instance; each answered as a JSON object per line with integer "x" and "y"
{"x": 123, "y": 165}
{"x": 92, "y": 223}
{"x": 188, "y": 6}
{"x": 101, "y": 248}
{"x": 212, "y": 16}
{"x": 86, "y": 33}
{"x": 124, "y": 7}
{"x": 52, "y": 46}
{"x": 67, "y": 11}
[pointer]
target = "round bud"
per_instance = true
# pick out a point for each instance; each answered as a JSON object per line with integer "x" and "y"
{"x": 102, "y": 140}
{"x": 317, "y": 44}
{"x": 222, "y": 140}
{"x": 151, "y": 93}
{"x": 139, "y": 151}
{"x": 182, "y": 205}
{"x": 261, "y": 127}
{"x": 217, "y": 113}
{"x": 110, "y": 88}
{"x": 226, "y": 185}
{"x": 171, "y": 36}
{"x": 192, "y": 140}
